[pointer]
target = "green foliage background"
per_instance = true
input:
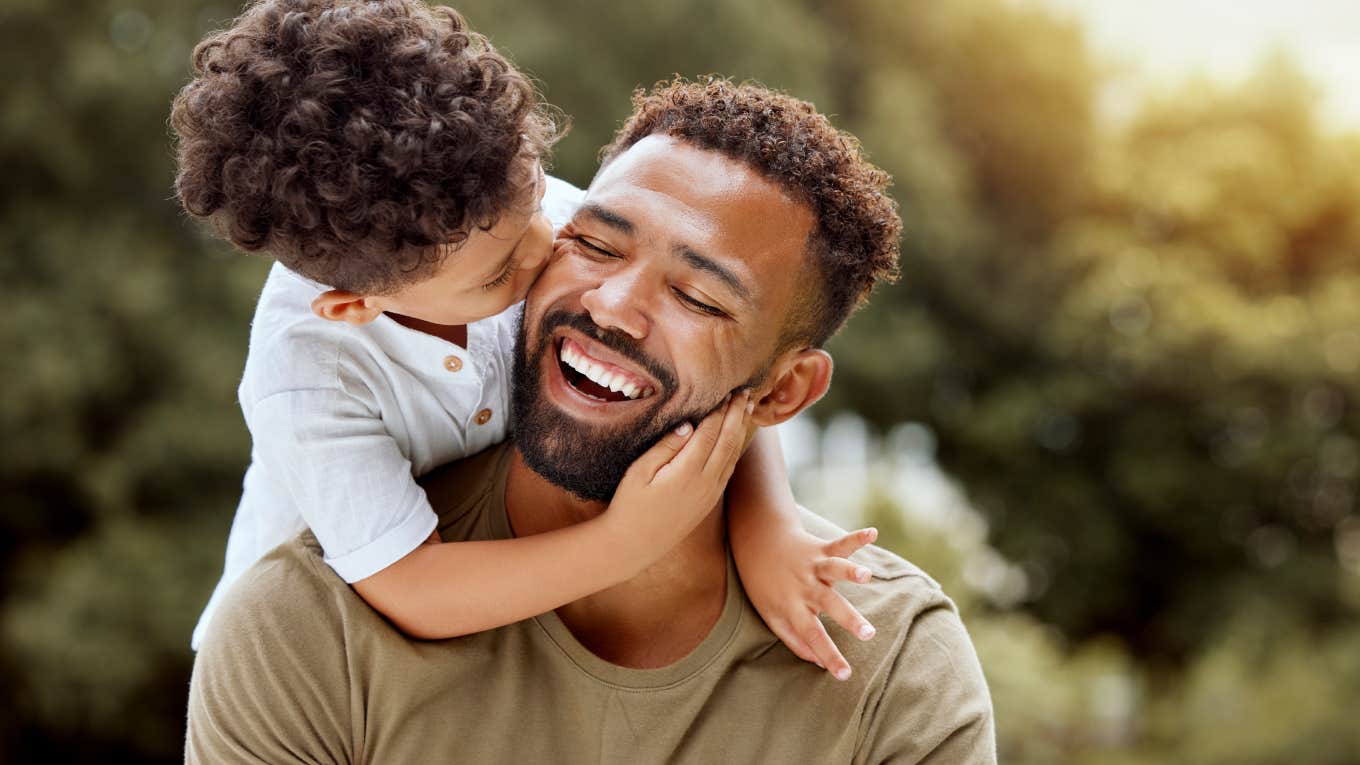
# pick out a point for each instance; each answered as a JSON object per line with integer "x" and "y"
{"x": 1137, "y": 344}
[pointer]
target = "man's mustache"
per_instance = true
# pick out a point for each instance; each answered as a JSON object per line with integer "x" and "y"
{"x": 617, "y": 341}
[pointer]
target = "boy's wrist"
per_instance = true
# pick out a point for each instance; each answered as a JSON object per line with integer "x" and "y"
{"x": 760, "y": 519}
{"x": 624, "y": 543}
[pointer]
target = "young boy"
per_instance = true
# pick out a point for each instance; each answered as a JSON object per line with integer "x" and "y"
{"x": 391, "y": 162}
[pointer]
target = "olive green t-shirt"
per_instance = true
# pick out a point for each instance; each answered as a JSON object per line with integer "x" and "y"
{"x": 296, "y": 668}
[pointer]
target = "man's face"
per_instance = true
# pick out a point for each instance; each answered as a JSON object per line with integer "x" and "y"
{"x": 671, "y": 286}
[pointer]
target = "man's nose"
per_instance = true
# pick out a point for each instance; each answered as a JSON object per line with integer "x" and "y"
{"x": 616, "y": 303}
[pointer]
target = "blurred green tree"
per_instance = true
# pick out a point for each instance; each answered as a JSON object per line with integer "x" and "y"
{"x": 1137, "y": 342}
{"x": 125, "y": 338}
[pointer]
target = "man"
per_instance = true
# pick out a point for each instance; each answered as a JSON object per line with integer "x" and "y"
{"x": 729, "y": 233}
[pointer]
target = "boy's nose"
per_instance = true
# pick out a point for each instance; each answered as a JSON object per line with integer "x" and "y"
{"x": 538, "y": 244}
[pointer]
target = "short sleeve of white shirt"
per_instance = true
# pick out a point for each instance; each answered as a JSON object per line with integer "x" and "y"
{"x": 347, "y": 475}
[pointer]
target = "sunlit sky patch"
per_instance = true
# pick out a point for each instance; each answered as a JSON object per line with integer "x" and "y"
{"x": 1168, "y": 40}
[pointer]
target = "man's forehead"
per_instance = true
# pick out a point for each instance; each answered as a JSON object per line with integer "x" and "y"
{"x": 659, "y": 157}
{"x": 670, "y": 189}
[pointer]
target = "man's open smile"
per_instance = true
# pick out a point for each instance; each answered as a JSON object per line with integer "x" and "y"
{"x": 592, "y": 377}
{"x": 598, "y": 378}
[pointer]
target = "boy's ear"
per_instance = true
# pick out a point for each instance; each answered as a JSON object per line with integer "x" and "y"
{"x": 349, "y": 307}
{"x": 797, "y": 383}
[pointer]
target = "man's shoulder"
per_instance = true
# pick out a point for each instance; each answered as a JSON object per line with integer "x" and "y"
{"x": 929, "y": 698}
{"x": 894, "y": 577}
{"x": 289, "y": 582}
{"x": 271, "y": 673}
{"x": 918, "y": 625}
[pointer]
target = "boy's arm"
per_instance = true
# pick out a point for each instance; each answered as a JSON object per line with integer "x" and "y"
{"x": 445, "y": 590}
{"x": 458, "y": 588}
{"x": 786, "y": 571}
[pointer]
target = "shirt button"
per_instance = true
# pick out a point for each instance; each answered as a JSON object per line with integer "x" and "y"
{"x": 483, "y": 417}
{"x": 453, "y": 363}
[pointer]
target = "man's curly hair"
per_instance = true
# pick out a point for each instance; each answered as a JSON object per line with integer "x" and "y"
{"x": 854, "y": 243}
{"x": 353, "y": 139}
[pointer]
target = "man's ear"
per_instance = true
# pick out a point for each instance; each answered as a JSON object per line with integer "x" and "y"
{"x": 349, "y": 307}
{"x": 798, "y": 382}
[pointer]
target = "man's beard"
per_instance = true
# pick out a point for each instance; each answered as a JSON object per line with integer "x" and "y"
{"x": 586, "y": 459}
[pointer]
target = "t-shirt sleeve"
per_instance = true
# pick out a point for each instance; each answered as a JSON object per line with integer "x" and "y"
{"x": 935, "y": 707}
{"x": 346, "y": 474}
{"x": 270, "y": 681}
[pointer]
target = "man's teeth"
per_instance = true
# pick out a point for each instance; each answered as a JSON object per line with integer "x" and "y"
{"x": 597, "y": 374}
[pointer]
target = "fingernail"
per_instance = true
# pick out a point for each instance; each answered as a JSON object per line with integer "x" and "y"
{"x": 866, "y": 631}
{"x": 871, "y": 532}
{"x": 750, "y": 404}
{"x": 684, "y": 429}
{"x": 862, "y": 574}
{"x": 843, "y": 674}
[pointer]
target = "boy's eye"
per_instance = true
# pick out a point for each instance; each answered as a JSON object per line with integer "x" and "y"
{"x": 500, "y": 281}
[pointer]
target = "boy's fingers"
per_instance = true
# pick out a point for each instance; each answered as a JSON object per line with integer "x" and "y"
{"x": 839, "y": 610}
{"x": 843, "y": 547}
{"x": 841, "y": 570}
{"x": 695, "y": 452}
{"x": 662, "y": 452}
{"x": 705, "y": 436}
{"x": 731, "y": 438}
{"x": 828, "y": 655}
{"x": 794, "y": 643}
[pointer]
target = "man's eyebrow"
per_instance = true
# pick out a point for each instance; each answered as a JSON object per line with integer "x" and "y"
{"x": 607, "y": 217}
{"x": 711, "y": 266}
{"x": 693, "y": 257}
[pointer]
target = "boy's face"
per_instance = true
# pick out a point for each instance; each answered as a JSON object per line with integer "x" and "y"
{"x": 490, "y": 271}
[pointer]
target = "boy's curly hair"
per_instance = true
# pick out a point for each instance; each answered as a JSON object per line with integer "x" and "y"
{"x": 352, "y": 139}
{"x": 855, "y": 241}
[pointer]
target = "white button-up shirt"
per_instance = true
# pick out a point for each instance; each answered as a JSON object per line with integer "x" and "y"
{"x": 344, "y": 418}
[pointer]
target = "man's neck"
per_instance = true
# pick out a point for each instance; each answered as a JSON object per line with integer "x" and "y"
{"x": 651, "y": 620}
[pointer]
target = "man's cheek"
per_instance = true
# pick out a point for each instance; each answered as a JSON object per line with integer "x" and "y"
{"x": 563, "y": 274}
{"x": 559, "y": 250}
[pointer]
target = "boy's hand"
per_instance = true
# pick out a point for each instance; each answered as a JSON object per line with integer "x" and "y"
{"x": 677, "y": 482}
{"x": 789, "y": 578}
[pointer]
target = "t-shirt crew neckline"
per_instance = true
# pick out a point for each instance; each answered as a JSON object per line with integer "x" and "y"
{"x": 719, "y": 638}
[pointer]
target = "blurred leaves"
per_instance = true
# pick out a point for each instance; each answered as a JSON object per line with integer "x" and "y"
{"x": 1136, "y": 343}
{"x": 101, "y": 626}
{"x": 1269, "y": 689}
